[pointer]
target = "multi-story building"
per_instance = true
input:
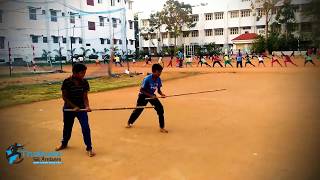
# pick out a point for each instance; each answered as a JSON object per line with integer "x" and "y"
{"x": 30, "y": 27}
{"x": 219, "y": 22}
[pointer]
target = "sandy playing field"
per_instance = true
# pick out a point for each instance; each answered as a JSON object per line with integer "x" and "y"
{"x": 265, "y": 126}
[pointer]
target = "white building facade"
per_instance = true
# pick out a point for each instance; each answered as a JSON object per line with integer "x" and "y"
{"x": 30, "y": 27}
{"x": 219, "y": 22}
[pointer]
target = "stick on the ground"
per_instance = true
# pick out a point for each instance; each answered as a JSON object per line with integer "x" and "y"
{"x": 112, "y": 109}
{"x": 185, "y": 94}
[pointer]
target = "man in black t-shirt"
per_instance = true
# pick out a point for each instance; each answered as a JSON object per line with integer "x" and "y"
{"x": 75, "y": 95}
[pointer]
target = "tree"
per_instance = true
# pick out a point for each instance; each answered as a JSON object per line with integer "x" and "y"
{"x": 213, "y": 49}
{"x": 84, "y": 52}
{"x": 267, "y": 6}
{"x": 156, "y": 21}
{"x": 46, "y": 55}
{"x": 259, "y": 44}
{"x": 94, "y": 51}
{"x": 94, "y": 54}
{"x": 71, "y": 52}
{"x": 59, "y": 53}
{"x": 311, "y": 10}
{"x": 176, "y": 15}
{"x": 106, "y": 53}
{"x": 285, "y": 16}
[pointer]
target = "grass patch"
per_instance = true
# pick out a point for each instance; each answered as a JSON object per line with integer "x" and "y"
{"x": 22, "y": 94}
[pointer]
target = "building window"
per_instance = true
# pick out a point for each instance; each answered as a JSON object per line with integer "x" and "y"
{"x": 32, "y": 13}
{"x": 1, "y": 16}
{"x": 101, "y": 20}
{"x": 164, "y": 35}
{"x": 1, "y": 42}
{"x": 99, "y": 1}
{"x": 73, "y": 40}
{"x": 131, "y": 42}
{"x": 245, "y": 13}
{"x": 34, "y": 39}
{"x": 153, "y": 36}
{"x": 55, "y": 39}
{"x": 145, "y": 23}
{"x": 208, "y": 17}
{"x": 112, "y": 2}
{"x": 234, "y": 30}
{"x": 108, "y": 41}
{"x": 53, "y": 16}
{"x": 90, "y": 2}
{"x": 80, "y": 40}
{"x": 218, "y": 15}
{"x": 234, "y": 14}
{"x": 194, "y": 33}
{"x": 72, "y": 18}
{"x": 91, "y": 25}
{"x": 120, "y": 41}
{"x": 114, "y": 41}
{"x": 45, "y": 40}
{"x": 246, "y": 28}
{"x": 218, "y": 32}
{"x": 172, "y": 35}
{"x": 186, "y": 33}
{"x": 114, "y": 22}
{"x": 261, "y": 12}
{"x": 208, "y": 32}
{"x": 195, "y": 18}
{"x": 261, "y": 27}
{"x": 64, "y": 40}
{"x": 88, "y": 44}
{"x": 43, "y": 12}
{"x": 130, "y": 24}
{"x": 101, "y": 41}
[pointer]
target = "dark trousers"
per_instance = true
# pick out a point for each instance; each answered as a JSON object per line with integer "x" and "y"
{"x": 216, "y": 62}
{"x": 239, "y": 63}
{"x": 143, "y": 102}
{"x": 249, "y": 62}
{"x": 289, "y": 61}
{"x": 305, "y": 62}
{"x": 68, "y": 120}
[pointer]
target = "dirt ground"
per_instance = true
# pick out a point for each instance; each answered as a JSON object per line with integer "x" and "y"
{"x": 265, "y": 126}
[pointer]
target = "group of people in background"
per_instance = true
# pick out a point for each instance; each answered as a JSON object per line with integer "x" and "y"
{"x": 239, "y": 58}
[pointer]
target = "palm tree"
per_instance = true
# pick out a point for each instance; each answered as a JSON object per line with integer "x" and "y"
{"x": 46, "y": 55}
{"x": 94, "y": 52}
{"x": 59, "y": 52}
{"x": 84, "y": 52}
{"x": 71, "y": 52}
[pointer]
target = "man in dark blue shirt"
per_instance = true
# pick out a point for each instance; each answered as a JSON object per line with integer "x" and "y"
{"x": 150, "y": 84}
{"x": 75, "y": 95}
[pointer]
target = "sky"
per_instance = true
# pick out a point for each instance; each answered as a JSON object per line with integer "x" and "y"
{"x": 155, "y": 5}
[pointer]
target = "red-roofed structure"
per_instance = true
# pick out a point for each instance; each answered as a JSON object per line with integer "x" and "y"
{"x": 244, "y": 42}
{"x": 246, "y": 36}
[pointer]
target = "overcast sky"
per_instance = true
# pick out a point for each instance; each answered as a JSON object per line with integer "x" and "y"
{"x": 155, "y": 5}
